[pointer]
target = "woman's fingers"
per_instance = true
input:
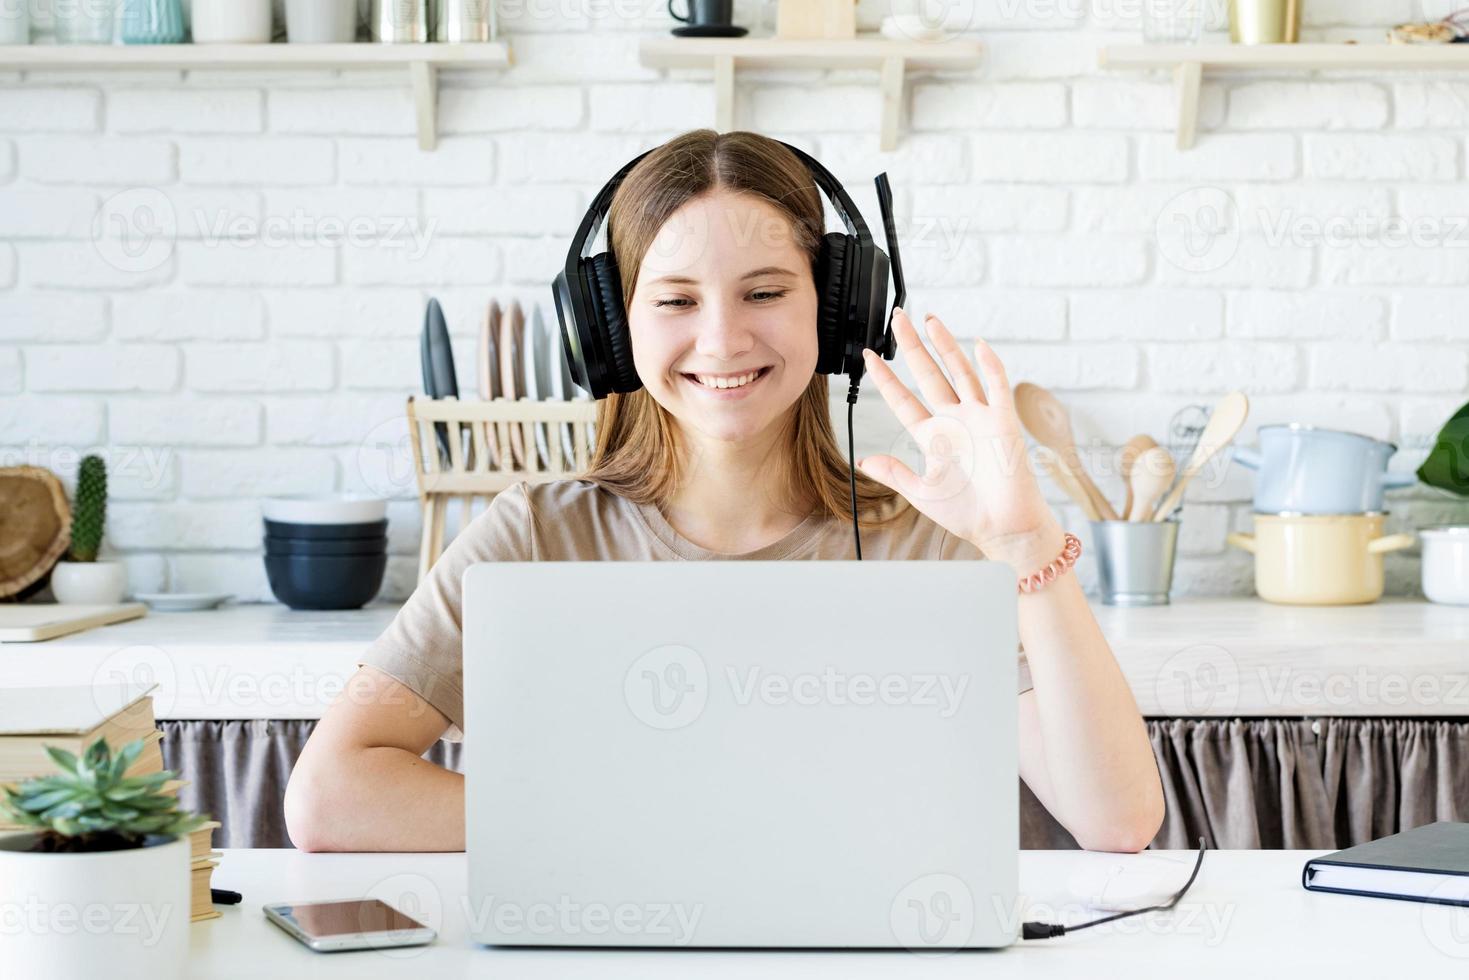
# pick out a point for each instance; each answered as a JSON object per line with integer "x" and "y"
{"x": 909, "y": 410}
{"x": 996, "y": 381}
{"x": 966, "y": 382}
{"x": 930, "y": 376}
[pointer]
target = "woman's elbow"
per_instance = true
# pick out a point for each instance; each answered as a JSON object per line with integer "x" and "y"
{"x": 308, "y": 810}
{"x": 1127, "y": 833}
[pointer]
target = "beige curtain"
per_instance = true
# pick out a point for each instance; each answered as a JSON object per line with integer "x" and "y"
{"x": 1259, "y": 783}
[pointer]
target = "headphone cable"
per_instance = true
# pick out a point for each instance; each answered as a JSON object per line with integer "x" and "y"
{"x": 852, "y": 465}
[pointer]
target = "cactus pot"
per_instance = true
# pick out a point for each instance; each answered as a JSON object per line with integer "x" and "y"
{"x": 91, "y": 583}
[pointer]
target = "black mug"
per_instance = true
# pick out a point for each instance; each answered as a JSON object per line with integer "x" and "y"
{"x": 706, "y": 13}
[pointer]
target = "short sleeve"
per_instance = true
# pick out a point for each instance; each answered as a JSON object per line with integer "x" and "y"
{"x": 953, "y": 546}
{"x": 423, "y": 647}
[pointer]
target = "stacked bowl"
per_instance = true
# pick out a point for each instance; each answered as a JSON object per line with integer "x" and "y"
{"x": 1319, "y": 514}
{"x": 325, "y": 552}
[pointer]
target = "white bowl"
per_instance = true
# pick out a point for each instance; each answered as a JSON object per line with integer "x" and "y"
{"x": 330, "y": 509}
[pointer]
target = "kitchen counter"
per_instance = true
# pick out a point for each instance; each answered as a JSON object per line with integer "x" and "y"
{"x": 1194, "y": 658}
{"x": 1247, "y": 910}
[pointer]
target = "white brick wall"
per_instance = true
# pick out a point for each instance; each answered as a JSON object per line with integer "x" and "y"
{"x": 1042, "y": 205}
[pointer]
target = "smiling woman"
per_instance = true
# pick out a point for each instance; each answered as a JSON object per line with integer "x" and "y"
{"x": 716, "y": 444}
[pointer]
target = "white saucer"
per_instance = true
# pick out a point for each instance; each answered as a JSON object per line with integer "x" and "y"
{"x": 182, "y": 601}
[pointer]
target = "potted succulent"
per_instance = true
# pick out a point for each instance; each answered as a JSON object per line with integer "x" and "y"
{"x": 82, "y": 578}
{"x": 98, "y": 882}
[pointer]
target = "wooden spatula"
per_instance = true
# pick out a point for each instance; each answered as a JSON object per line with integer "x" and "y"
{"x": 1063, "y": 478}
{"x": 1225, "y": 421}
{"x": 1045, "y": 418}
{"x": 1151, "y": 476}
{"x": 1131, "y": 450}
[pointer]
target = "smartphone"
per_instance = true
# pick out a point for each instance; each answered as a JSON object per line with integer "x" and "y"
{"x": 330, "y": 927}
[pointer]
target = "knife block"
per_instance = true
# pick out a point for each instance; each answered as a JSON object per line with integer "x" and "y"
{"x": 492, "y": 446}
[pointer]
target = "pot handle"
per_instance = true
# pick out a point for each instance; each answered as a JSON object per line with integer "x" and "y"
{"x": 1396, "y": 480}
{"x": 1393, "y": 542}
{"x": 1245, "y": 541}
{"x": 1246, "y": 456}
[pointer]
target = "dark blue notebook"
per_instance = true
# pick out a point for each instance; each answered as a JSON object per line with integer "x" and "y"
{"x": 1425, "y": 864}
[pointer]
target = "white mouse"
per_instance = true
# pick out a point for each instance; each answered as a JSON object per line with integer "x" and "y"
{"x": 1118, "y": 882}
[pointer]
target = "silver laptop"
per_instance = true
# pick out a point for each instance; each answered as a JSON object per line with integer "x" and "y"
{"x": 741, "y": 754}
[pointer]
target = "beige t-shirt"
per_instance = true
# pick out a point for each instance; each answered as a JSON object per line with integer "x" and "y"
{"x": 576, "y": 520}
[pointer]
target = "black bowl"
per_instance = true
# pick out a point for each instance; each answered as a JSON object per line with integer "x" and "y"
{"x": 326, "y": 546}
{"x": 367, "y": 529}
{"x": 325, "y": 581}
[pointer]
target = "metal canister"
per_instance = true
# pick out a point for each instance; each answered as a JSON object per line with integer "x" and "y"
{"x": 1264, "y": 21}
{"x": 463, "y": 21}
{"x": 399, "y": 21}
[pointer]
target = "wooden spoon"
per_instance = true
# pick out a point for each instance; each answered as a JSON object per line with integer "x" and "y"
{"x": 1063, "y": 478}
{"x": 1045, "y": 418}
{"x": 1225, "y": 421}
{"x": 1131, "y": 450}
{"x": 1150, "y": 478}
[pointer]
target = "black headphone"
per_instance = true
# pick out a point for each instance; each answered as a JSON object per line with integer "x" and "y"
{"x": 851, "y": 287}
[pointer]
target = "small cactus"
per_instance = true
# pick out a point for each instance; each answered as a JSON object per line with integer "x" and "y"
{"x": 90, "y": 805}
{"x": 89, "y": 512}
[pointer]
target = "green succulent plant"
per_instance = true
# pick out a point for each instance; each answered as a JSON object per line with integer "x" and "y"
{"x": 89, "y": 511}
{"x": 91, "y": 806}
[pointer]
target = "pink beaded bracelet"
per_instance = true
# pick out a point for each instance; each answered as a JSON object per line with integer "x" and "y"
{"x": 1039, "y": 580}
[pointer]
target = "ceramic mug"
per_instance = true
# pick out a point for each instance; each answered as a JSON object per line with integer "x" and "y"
{"x": 1319, "y": 559}
{"x": 1446, "y": 563}
{"x": 231, "y": 22}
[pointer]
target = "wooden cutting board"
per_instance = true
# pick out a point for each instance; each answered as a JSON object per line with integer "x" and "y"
{"x": 42, "y": 621}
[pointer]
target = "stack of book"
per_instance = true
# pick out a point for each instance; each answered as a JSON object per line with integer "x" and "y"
{"x": 72, "y": 718}
{"x": 203, "y": 859}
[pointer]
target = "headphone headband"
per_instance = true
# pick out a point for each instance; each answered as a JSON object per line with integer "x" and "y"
{"x": 836, "y": 194}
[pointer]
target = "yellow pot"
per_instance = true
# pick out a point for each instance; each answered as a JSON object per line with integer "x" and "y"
{"x": 1319, "y": 559}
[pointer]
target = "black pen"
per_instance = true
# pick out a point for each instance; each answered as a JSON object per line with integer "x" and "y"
{"x": 222, "y": 896}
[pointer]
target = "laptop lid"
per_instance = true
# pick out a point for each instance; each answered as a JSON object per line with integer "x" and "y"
{"x": 752, "y": 753}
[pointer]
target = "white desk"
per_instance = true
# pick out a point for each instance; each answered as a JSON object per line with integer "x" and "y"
{"x": 1246, "y": 916}
{"x": 1398, "y": 658}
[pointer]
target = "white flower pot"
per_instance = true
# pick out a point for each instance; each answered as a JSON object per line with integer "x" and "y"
{"x": 92, "y": 583}
{"x": 231, "y": 21}
{"x": 123, "y": 915}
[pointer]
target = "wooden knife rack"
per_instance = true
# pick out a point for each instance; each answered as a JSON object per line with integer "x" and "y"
{"x": 480, "y": 462}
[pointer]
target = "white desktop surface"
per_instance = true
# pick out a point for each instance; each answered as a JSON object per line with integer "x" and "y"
{"x": 1246, "y": 917}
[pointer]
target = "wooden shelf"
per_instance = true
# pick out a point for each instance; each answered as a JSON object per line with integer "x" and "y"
{"x": 891, "y": 58}
{"x": 423, "y": 62}
{"x": 1189, "y": 62}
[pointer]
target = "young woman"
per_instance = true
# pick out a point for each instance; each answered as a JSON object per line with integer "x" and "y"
{"x": 727, "y": 452}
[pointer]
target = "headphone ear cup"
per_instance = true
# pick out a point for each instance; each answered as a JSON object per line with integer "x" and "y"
{"x": 612, "y": 316}
{"x": 831, "y": 291}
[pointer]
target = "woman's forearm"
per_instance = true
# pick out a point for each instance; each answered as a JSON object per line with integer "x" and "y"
{"x": 1093, "y": 767}
{"x": 375, "y": 799}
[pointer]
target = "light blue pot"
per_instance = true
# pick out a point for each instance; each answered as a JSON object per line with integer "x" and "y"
{"x": 1307, "y": 470}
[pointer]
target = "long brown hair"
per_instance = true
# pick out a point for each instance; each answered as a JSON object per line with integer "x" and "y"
{"x": 635, "y": 456}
